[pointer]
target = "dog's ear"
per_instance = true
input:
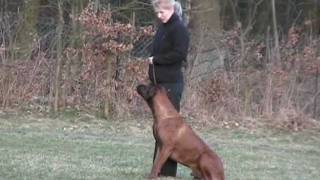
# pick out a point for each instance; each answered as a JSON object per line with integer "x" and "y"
{"x": 152, "y": 90}
{"x": 147, "y": 92}
{"x": 141, "y": 89}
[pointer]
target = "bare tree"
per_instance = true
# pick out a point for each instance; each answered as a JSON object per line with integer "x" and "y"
{"x": 57, "y": 86}
{"x": 275, "y": 32}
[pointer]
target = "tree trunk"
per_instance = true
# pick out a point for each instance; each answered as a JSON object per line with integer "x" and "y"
{"x": 204, "y": 25}
{"x": 204, "y": 14}
{"x": 27, "y": 30}
{"x": 275, "y": 34}
{"x": 57, "y": 88}
{"x": 108, "y": 103}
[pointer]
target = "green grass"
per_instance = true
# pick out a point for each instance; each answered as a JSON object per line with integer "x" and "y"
{"x": 83, "y": 147}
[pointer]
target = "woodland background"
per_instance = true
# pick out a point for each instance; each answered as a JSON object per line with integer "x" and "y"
{"x": 250, "y": 61}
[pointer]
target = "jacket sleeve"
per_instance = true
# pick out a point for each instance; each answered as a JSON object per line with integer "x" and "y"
{"x": 155, "y": 38}
{"x": 180, "y": 48}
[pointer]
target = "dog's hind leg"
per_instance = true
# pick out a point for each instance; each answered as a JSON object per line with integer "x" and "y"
{"x": 196, "y": 174}
{"x": 161, "y": 157}
{"x": 209, "y": 169}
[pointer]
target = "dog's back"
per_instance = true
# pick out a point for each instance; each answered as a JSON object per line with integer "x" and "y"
{"x": 189, "y": 149}
{"x": 177, "y": 140}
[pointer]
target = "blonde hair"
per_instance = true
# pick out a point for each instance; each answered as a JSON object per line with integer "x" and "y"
{"x": 176, "y": 5}
{"x": 178, "y": 8}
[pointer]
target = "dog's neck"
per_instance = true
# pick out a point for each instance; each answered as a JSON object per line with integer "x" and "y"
{"x": 164, "y": 107}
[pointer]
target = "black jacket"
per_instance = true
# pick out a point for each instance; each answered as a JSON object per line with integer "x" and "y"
{"x": 170, "y": 48}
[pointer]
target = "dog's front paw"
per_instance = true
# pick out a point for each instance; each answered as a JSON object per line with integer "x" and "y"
{"x": 152, "y": 176}
{"x": 196, "y": 175}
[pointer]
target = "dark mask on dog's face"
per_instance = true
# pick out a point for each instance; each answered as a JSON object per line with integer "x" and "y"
{"x": 147, "y": 92}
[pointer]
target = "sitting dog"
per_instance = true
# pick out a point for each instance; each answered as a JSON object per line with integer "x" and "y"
{"x": 176, "y": 140}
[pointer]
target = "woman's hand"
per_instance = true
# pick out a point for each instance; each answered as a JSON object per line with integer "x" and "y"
{"x": 150, "y": 59}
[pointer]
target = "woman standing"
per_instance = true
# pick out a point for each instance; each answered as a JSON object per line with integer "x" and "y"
{"x": 170, "y": 48}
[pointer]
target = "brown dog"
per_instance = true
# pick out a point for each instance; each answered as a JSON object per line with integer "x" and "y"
{"x": 176, "y": 140}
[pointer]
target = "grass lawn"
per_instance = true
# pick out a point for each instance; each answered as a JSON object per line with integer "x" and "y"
{"x": 83, "y": 147}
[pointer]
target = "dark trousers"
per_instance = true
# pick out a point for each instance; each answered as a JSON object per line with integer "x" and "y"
{"x": 174, "y": 91}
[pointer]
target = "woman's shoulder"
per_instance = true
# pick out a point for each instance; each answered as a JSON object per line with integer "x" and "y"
{"x": 179, "y": 26}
